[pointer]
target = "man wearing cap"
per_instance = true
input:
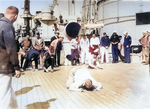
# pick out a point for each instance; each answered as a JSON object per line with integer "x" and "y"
{"x": 9, "y": 63}
{"x": 126, "y": 44}
{"x": 58, "y": 50}
{"x": 80, "y": 78}
{"x": 114, "y": 41}
{"x": 105, "y": 42}
{"x": 145, "y": 46}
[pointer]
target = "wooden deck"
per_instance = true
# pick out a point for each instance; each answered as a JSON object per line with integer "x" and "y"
{"x": 125, "y": 86}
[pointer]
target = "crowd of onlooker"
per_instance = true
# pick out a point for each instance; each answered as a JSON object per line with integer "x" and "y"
{"x": 92, "y": 52}
{"x": 34, "y": 49}
{"x": 96, "y": 50}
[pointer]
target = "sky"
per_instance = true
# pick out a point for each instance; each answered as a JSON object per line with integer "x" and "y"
{"x": 35, "y": 5}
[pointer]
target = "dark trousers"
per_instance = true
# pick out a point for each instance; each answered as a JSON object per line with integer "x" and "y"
{"x": 35, "y": 58}
{"x": 115, "y": 53}
{"x": 49, "y": 62}
{"x": 26, "y": 64}
{"x": 57, "y": 58}
{"x": 121, "y": 57}
{"x": 127, "y": 54}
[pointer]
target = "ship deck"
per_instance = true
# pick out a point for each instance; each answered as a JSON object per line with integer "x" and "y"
{"x": 125, "y": 86}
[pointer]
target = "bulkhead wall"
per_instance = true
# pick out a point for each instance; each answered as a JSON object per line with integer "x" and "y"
{"x": 120, "y": 16}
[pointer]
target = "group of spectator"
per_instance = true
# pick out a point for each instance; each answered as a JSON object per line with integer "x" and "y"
{"x": 34, "y": 49}
{"x": 83, "y": 51}
{"x": 96, "y": 51}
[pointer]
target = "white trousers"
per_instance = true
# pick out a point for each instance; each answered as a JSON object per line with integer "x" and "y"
{"x": 71, "y": 76}
{"x": 84, "y": 55}
{"x": 104, "y": 51}
{"x": 7, "y": 95}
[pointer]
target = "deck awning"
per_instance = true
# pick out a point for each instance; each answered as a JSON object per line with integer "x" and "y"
{"x": 46, "y": 18}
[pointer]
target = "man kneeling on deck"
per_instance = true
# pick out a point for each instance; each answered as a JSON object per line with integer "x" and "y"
{"x": 80, "y": 78}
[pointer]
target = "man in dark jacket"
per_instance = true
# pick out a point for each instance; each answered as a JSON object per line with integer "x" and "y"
{"x": 9, "y": 63}
{"x": 114, "y": 41}
{"x": 126, "y": 44}
{"x": 58, "y": 50}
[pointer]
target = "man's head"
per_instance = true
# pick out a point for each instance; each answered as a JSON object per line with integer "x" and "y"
{"x": 93, "y": 35}
{"x": 38, "y": 35}
{"x": 56, "y": 33}
{"x": 125, "y": 33}
{"x": 120, "y": 37}
{"x": 104, "y": 34}
{"x": 114, "y": 33}
{"x": 144, "y": 33}
{"x": 84, "y": 36}
{"x": 77, "y": 38}
{"x": 12, "y": 13}
{"x": 88, "y": 84}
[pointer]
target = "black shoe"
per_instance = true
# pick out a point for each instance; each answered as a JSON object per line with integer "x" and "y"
{"x": 59, "y": 65}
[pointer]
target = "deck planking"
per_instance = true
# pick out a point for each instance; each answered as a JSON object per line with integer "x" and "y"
{"x": 125, "y": 86}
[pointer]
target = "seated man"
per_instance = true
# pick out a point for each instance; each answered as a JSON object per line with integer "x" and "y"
{"x": 80, "y": 78}
{"x": 25, "y": 47}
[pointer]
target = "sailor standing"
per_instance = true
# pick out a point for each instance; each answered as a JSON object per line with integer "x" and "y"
{"x": 105, "y": 42}
{"x": 126, "y": 44}
{"x": 84, "y": 44}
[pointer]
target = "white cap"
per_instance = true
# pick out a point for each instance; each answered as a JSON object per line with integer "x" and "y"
{"x": 114, "y": 32}
{"x": 56, "y": 32}
{"x": 125, "y": 32}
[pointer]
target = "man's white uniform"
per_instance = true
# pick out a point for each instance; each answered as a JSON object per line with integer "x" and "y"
{"x": 94, "y": 41}
{"x": 84, "y": 50}
{"x": 77, "y": 78}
